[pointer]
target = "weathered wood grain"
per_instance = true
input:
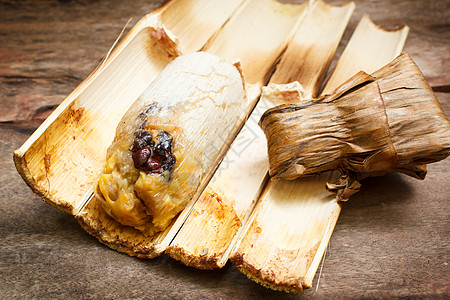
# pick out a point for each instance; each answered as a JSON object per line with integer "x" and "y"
{"x": 51, "y": 46}
{"x": 391, "y": 239}
{"x": 428, "y": 40}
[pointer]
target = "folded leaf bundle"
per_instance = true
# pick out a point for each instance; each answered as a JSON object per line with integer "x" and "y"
{"x": 169, "y": 140}
{"x": 371, "y": 124}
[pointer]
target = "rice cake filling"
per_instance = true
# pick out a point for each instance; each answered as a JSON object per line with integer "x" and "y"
{"x": 143, "y": 184}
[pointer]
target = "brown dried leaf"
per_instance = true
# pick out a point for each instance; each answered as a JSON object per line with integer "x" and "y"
{"x": 389, "y": 121}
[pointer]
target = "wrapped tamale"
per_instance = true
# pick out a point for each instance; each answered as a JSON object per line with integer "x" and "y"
{"x": 370, "y": 125}
{"x": 169, "y": 140}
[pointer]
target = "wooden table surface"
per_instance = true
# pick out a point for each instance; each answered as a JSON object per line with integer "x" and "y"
{"x": 391, "y": 238}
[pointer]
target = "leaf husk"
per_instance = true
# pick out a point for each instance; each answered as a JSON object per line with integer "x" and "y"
{"x": 389, "y": 121}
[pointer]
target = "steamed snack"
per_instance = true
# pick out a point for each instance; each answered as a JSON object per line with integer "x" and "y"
{"x": 169, "y": 140}
{"x": 370, "y": 125}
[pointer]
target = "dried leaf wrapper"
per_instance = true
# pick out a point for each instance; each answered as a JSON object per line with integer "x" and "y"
{"x": 389, "y": 121}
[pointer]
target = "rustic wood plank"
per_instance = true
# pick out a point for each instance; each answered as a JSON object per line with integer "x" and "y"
{"x": 45, "y": 254}
{"x": 52, "y": 46}
{"x": 429, "y": 37}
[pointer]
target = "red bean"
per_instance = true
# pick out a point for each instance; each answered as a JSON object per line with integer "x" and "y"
{"x": 141, "y": 157}
{"x": 153, "y": 165}
{"x": 151, "y": 157}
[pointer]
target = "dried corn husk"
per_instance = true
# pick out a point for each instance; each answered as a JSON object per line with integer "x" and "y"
{"x": 390, "y": 121}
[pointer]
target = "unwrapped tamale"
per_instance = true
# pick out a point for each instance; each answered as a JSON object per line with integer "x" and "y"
{"x": 169, "y": 140}
{"x": 371, "y": 124}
